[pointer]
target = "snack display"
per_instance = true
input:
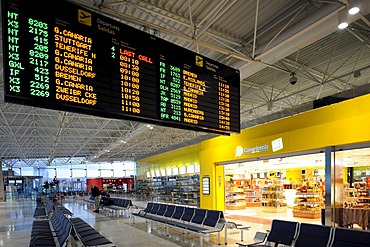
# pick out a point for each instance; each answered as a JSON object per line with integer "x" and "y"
{"x": 309, "y": 202}
{"x": 273, "y": 199}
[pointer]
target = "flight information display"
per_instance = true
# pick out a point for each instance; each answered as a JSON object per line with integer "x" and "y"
{"x": 73, "y": 59}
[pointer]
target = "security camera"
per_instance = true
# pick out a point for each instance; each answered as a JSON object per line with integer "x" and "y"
{"x": 293, "y": 79}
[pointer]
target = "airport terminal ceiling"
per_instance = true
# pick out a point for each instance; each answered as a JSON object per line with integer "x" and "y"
{"x": 273, "y": 45}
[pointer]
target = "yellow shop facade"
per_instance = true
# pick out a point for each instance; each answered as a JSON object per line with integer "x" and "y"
{"x": 337, "y": 135}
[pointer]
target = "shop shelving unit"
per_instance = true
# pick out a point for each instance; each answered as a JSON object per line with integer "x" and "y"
{"x": 252, "y": 197}
{"x": 355, "y": 197}
{"x": 350, "y": 196}
{"x": 157, "y": 186}
{"x": 235, "y": 198}
{"x": 181, "y": 189}
{"x": 272, "y": 200}
{"x": 308, "y": 204}
{"x": 363, "y": 198}
{"x": 239, "y": 194}
{"x": 188, "y": 190}
{"x": 142, "y": 188}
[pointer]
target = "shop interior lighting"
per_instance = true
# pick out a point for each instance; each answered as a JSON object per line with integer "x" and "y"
{"x": 353, "y": 7}
{"x": 342, "y": 19}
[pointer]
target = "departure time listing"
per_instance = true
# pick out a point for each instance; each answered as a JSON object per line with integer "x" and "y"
{"x": 75, "y": 59}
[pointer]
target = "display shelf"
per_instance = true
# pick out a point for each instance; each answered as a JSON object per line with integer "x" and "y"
{"x": 307, "y": 214}
{"x": 235, "y": 198}
{"x": 236, "y": 205}
{"x": 235, "y": 195}
{"x": 142, "y": 188}
{"x": 308, "y": 203}
{"x": 363, "y": 200}
{"x": 350, "y": 197}
{"x": 182, "y": 189}
{"x": 272, "y": 200}
{"x": 268, "y": 209}
{"x": 362, "y": 192}
{"x": 252, "y": 197}
{"x": 187, "y": 190}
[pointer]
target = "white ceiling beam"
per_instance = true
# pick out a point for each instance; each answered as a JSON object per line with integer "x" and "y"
{"x": 302, "y": 34}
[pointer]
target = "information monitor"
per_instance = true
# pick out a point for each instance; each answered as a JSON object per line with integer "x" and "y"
{"x": 70, "y": 58}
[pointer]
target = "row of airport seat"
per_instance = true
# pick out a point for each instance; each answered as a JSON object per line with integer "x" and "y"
{"x": 58, "y": 226}
{"x": 116, "y": 205}
{"x": 54, "y": 231}
{"x": 43, "y": 209}
{"x": 195, "y": 220}
{"x": 291, "y": 233}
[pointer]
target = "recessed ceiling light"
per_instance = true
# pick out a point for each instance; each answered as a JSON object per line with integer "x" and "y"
{"x": 353, "y": 7}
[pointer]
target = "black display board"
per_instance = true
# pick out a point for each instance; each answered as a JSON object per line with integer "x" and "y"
{"x": 66, "y": 57}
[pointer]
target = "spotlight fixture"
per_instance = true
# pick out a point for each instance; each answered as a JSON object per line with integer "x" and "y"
{"x": 293, "y": 79}
{"x": 353, "y": 7}
{"x": 342, "y": 19}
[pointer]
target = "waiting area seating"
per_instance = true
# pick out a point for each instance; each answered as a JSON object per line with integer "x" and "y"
{"x": 87, "y": 234}
{"x": 51, "y": 232}
{"x": 56, "y": 227}
{"x": 194, "y": 220}
{"x": 63, "y": 209}
{"x": 314, "y": 235}
{"x": 43, "y": 209}
{"x": 290, "y": 233}
{"x": 116, "y": 205}
{"x": 350, "y": 237}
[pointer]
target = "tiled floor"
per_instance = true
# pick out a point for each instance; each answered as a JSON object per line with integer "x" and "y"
{"x": 17, "y": 216}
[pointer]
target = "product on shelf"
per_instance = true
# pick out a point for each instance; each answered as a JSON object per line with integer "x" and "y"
{"x": 181, "y": 189}
{"x": 235, "y": 198}
{"x": 273, "y": 198}
{"x": 252, "y": 197}
{"x": 308, "y": 202}
{"x": 350, "y": 197}
{"x": 240, "y": 194}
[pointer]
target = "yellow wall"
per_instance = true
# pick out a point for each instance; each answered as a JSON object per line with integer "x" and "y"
{"x": 184, "y": 156}
{"x": 295, "y": 175}
{"x": 343, "y": 123}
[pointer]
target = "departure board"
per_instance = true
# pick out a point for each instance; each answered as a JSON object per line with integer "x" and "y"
{"x": 71, "y": 58}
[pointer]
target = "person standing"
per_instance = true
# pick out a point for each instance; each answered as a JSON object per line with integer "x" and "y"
{"x": 95, "y": 192}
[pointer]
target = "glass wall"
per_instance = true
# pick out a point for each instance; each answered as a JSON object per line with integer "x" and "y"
{"x": 71, "y": 176}
{"x": 351, "y": 186}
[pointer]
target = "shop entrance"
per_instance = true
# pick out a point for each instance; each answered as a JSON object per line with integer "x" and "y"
{"x": 290, "y": 188}
{"x": 293, "y": 188}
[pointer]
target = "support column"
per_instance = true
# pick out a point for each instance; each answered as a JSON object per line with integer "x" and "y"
{"x": 2, "y": 196}
{"x": 329, "y": 184}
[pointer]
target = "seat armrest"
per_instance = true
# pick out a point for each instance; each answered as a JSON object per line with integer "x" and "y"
{"x": 232, "y": 225}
